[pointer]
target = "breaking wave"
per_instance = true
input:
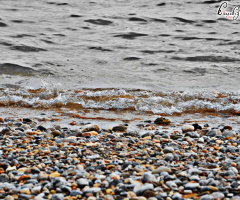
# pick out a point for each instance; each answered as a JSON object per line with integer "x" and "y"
{"x": 123, "y": 100}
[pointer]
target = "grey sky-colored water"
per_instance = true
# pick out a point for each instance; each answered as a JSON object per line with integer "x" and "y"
{"x": 138, "y": 44}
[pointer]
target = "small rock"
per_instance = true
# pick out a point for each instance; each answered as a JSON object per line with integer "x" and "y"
{"x": 168, "y": 157}
{"x": 228, "y": 133}
{"x": 162, "y": 169}
{"x": 91, "y": 127}
{"x": 36, "y": 189}
{"x": 130, "y": 194}
{"x": 92, "y": 190}
{"x": 57, "y": 127}
{"x": 4, "y": 178}
{"x": 152, "y": 198}
{"x": 140, "y": 189}
{"x": 206, "y": 197}
{"x": 196, "y": 127}
{"x": 201, "y": 140}
{"x": 192, "y": 134}
{"x": 119, "y": 128}
{"x": 191, "y": 186}
{"x": 218, "y": 195}
{"x": 25, "y": 196}
{"x": 56, "y": 133}
{"x": 176, "y": 196}
{"x": 149, "y": 193}
{"x": 108, "y": 197}
{"x": 9, "y": 169}
{"x": 168, "y": 150}
{"x": 187, "y": 128}
{"x": 214, "y": 132}
{"x": 162, "y": 121}
{"x": 194, "y": 178}
{"x": 9, "y": 198}
{"x": 57, "y": 197}
{"x": 147, "y": 177}
{"x": 75, "y": 193}
{"x": 25, "y": 191}
{"x": 39, "y": 196}
{"x": 187, "y": 191}
{"x": 82, "y": 182}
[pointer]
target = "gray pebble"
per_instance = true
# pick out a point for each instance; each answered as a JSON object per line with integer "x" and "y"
{"x": 57, "y": 197}
{"x": 75, "y": 193}
{"x": 207, "y": 197}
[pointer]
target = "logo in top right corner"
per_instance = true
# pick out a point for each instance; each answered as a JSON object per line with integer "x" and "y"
{"x": 233, "y": 14}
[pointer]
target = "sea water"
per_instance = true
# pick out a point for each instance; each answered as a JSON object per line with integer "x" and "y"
{"x": 161, "y": 57}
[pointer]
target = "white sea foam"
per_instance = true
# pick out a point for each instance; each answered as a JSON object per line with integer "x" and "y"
{"x": 145, "y": 101}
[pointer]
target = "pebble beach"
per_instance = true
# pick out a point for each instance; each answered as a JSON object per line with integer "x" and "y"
{"x": 161, "y": 158}
{"x": 119, "y": 100}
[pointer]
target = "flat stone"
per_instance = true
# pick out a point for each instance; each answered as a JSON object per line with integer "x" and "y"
{"x": 75, "y": 193}
{"x": 92, "y": 190}
{"x": 162, "y": 169}
{"x": 207, "y": 197}
{"x": 119, "y": 128}
{"x": 191, "y": 186}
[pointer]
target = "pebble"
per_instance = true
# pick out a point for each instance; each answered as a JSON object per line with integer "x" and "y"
{"x": 140, "y": 189}
{"x": 91, "y": 190}
{"x": 57, "y": 197}
{"x": 207, "y": 197}
{"x": 117, "y": 163}
{"x": 218, "y": 195}
{"x": 162, "y": 121}
{"x": 91, "y": 127}
{"x": 191, "y": 186}
{"x": 25, "y": 191}
{"x": 119, "y": 128}
{"x": 168, "y": 150}
{"x": 187, "y": 128}
{"x": 75, "y": 193}
{"x": 56, "y": 133}
{"x": 36, "y": 189}
{"x": 161, "y": 169}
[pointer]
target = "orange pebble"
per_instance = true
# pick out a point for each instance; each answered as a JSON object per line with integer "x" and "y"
{"x": 227, "y": 138}
{"x": 109, "y": 167}
{"x": 110, "y": 191}
{"x": 216, "y": 147}
{"x": 73, "y": 123}
{"x": 24, "y": 177}
{"x": 54, "y": 174}
{"x": 87, "y": 134}
{"x": 2, "y": 120}
{"x": 74, "y": 186}
{"x": 195, "y": 150}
